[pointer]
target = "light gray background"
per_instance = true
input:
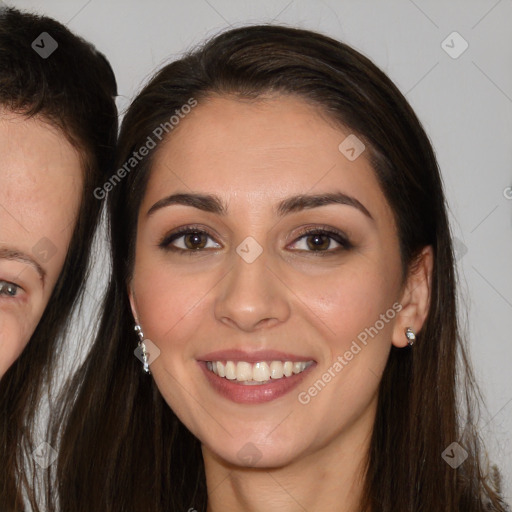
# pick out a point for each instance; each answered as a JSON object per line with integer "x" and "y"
{"x": 465, "y": 105}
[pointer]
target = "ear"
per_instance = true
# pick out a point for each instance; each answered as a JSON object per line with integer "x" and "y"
{"x": 133, "y": 303}
{"x": 415, "y": 298}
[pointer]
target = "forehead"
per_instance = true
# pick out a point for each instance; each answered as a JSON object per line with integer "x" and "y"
{"x": 36, "y": 157}
{"x": 252, "y": 152}
{"x": 40, "y": 180}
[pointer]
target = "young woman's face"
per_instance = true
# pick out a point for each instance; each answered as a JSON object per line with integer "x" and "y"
{"x": 242, "y": 267}
{"x": 40, "y": 190}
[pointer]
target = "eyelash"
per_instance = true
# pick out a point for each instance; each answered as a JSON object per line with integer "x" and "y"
{"x": 331, "y": 233}
{"x": 5, "y": 285}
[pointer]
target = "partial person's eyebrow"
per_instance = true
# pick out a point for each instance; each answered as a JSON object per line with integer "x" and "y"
{"x": 214, "y": 204}
{"x": 15, "y": 255}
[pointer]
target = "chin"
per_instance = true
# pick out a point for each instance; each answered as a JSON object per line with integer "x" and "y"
{"x": 242, "y": 452}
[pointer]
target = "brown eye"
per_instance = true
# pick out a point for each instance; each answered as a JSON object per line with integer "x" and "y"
{"x": 195, "y": 241}
{"x": 322, "y": 241}
{"x": 188, "y": 240}
{"x": 318, "y": 242}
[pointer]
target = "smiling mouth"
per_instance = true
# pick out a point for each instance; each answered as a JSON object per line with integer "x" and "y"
{"x": 254, "y": 374}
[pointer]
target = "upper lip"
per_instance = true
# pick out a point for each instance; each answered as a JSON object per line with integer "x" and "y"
{"x": 253, "y": 356}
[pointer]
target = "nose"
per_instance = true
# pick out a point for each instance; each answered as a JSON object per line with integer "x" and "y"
{"x": 252, "y": 296}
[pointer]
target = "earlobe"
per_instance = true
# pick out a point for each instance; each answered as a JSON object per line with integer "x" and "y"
{"x": 415, "y": 299}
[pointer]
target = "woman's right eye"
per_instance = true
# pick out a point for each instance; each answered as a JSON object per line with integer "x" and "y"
{"x": 8, "y": 289}
{"x": 188, "y": 241}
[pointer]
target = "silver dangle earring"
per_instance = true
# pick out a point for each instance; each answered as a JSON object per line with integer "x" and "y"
{"x": 411, "y": 336}
{"x": 142, "y": 349}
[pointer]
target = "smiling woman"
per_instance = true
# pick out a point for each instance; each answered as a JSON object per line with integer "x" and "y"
{"x": 58, "y": 126}
{"x": 288, "y": 239}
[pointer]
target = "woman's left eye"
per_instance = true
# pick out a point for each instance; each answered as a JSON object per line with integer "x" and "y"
{"x": 9, "y": 289}
{"x": 320, "y": 241}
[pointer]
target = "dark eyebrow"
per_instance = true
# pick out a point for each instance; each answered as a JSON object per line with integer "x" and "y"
{"x": 15, "y": 255}
{"x": 207, "y": 203}
{"x": 303, "y": 202}
{"x": 213, "y": 204}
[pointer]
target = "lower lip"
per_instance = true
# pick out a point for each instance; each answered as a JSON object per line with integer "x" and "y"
{"x": 253, "y": 394}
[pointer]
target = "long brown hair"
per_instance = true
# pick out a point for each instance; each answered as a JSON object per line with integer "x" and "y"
{"x": 122, "y": 446}
{"x": 74, "y": 90}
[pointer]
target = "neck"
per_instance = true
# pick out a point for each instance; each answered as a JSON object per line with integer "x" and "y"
{"x": 328, "y": 479}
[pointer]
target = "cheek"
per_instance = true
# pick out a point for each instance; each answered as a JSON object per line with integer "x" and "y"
{"x": 14, "y": 336}
{"x": 17, "y": 324}
{"x": 168, "y": 301}
{"x": 349, "y": 304}
{"x": 172, "y": 308}
{"x": 357, "y": 307}
{"x": 355, "y": 313}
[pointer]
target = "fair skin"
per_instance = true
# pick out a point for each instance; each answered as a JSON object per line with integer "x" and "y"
{"x": 40, "y": 191}
{"x": 276, "y": 454}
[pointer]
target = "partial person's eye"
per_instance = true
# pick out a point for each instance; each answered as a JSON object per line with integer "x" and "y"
{"x": 187, "y": 239}
{"x": 8, "y": 289}
{"x": 319, "y": 241}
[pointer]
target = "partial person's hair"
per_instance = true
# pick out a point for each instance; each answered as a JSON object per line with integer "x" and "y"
{"x": 74, "y": 91}
{"x": 123, "y": 448}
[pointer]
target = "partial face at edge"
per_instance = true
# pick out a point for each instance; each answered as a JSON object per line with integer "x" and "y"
{"x": 294, "y": 296}
{"x": 40, "y": 191}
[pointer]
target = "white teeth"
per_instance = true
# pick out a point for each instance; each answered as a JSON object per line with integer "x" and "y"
{"x": 298, "y": 367}
{"x": 288, "y": 368}
{"x": 220, "y": 369}
{"x": 261, "y": 372}
{"x": 230, "y": 370}
{"x": 276, "y": 369}
{"x": 243, "y": 371}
